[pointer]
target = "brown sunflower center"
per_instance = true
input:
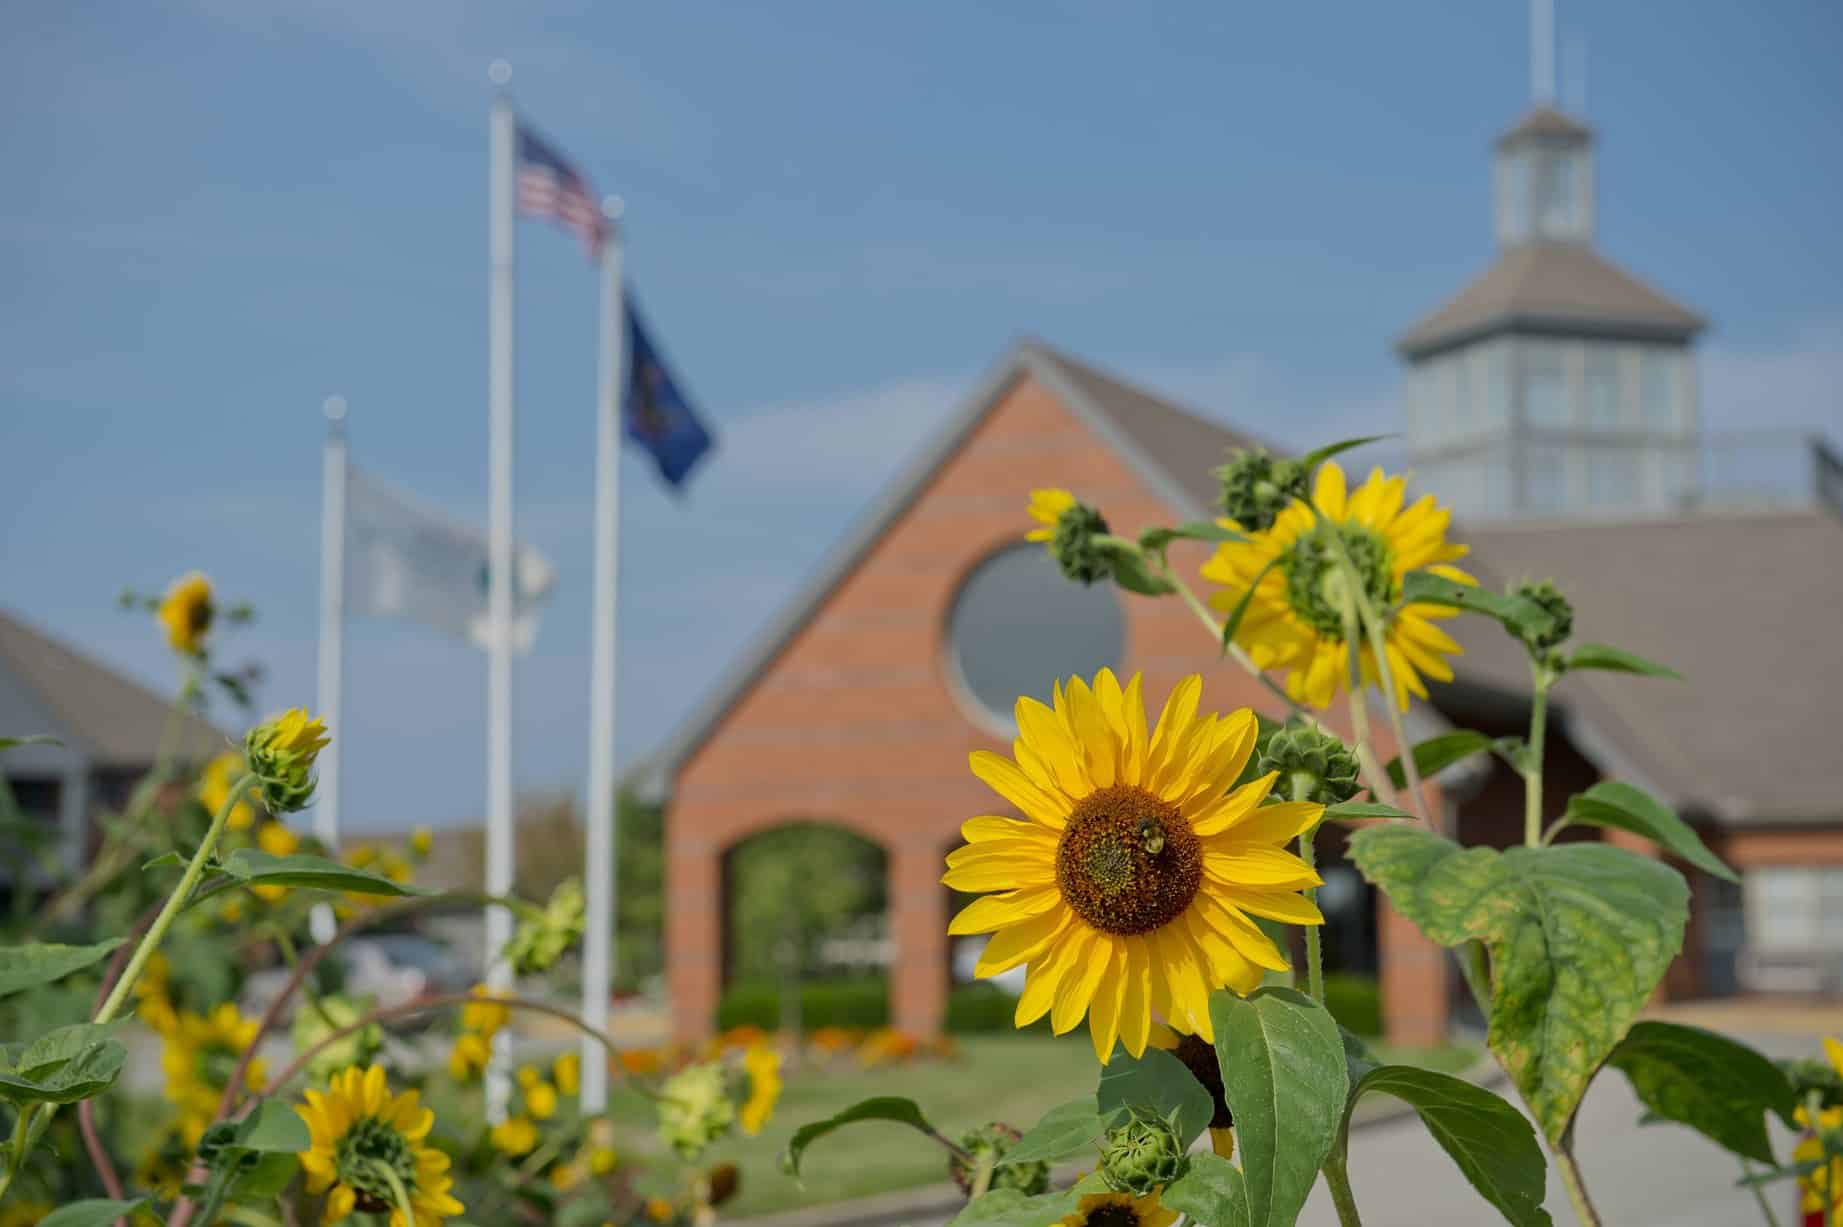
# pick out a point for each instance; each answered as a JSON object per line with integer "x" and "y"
{"x": 1112, "y": 1216}
{"x": 1128, "y": 862}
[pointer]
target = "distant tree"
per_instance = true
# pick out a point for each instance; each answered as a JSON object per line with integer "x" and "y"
{"x": 792, "y": 888}
{"x": 640, "y": 893}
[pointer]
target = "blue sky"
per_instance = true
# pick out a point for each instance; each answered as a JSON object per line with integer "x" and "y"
{"x": 220, "y": 211}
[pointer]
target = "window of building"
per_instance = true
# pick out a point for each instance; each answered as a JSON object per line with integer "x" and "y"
{"x": 1656, "y": 393}
{"x": 1495, "y": 365}
{"x": 1794, "y": 908}
{"x": 1545, "y": 386}
{"x": 1612, "y": 477}
{"x": 1513, "y": 196}
{"x": 38, "y": 797}
{"x": 1602, "y": 387}
{"x": 1545, "y": 479}
{"x": 1017, "y": 625}
{"x": 1557, "y": 194}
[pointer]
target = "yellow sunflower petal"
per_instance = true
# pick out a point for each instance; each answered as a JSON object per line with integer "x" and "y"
{"x": 1105, "y": 1008}
{"x": 1005, "y": 778}
{"x": 1044, "y": 977}
{"x": 1079, "y": 988}
{"x": 991, "y": 912}
{"x": 1022, "y": 942}
{"x": 1237, "y": 862}
{"x": 1329, "y": 492}
{"x": 1173, "y": 723}
{"x": 995, "y": 866}
{"x": 1136, "y": 999}
{"x": 1289, "y": 907}
{"x": 1274, "y": 824}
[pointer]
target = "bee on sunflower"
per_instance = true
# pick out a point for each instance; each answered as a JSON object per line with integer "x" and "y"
{"x": 1130, "y": 885}
{"x": 1295, "y": 619}
{"x": 370, "y": 1152}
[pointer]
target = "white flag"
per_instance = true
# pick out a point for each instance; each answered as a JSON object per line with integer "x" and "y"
{"x": 404, "y": 560}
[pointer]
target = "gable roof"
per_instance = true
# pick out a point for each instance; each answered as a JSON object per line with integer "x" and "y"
{"x": 1743, "y": 605}
{"x": 114, "y": 721}
{"x": 1547, "y": 285}
{"x": 1167, "y": 446}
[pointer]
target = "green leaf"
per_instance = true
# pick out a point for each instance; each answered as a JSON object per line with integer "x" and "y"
{"x": 1156, "y": 539}
{"x": 274, "y": 1128}
{"x": 264, "y": 1178}
{"x": 1157, "y": 1081}
{"x": 1241, "y": 606}
{"x": 36, "y": 739}
{"x": 1520, "y": 615}
{"x": 1364, "y": 809}
{"x": 1578, "y": 937}
{"x": 311, "y": 872}
{"x": 1436, "y": 754}
{"x": 1212, "y": 1191}
{"x": 1617, "y": 660}
{"x": 91, "y": 1212}
{"x": 1010, "y": 1208}
{"x": 1063, "y": 1131}
{"x": 1131, "y": 573}
{"x": 1492, "y": 1142}
{"x": 166, "y": 860}
{"x": 884, "y": 1108}
{"x": 90, "y": 1072}
{"x": 51, "y": 1051}
{"x": 1716, "y": 1086}
{"x": 36, "y": 963}
{"x": 1313, "y": 459}
{"x": 1285, "y": 1079}
{"x": 1615, "y": 804}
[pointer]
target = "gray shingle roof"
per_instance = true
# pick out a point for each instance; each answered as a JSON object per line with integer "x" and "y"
{"x": 1547, "y": 285}
{"x": 1745, "y": 606}
{"x": 1545, "y": 122}
{"x": 116, "y": 722}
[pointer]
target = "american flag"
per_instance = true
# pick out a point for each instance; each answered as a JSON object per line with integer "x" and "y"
{"x": 550, "y": 187}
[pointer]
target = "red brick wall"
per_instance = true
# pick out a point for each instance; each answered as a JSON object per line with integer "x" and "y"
{"x": 857, "y": 723}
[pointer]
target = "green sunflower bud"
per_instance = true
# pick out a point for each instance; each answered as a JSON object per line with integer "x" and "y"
{"x": 1072, "y": 544}
{"x": 1143, "y": 1155}
{"x": 988, "y": 1144}
{"x": 316, "y": 1021}
{"x": 281, "y": 751}
{"x": 695, "y": 1109}
{"x": 1552, "y": 631}
{"x": 1256, "y": 488}
{"x": 539, "y": 941}
{"x": 1313, "y": 765}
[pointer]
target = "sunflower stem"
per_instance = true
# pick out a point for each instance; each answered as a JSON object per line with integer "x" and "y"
{"x": 1337, "y": 1179}
{"x": 1380, "y": 786}
{"x": 1302, "y": 787}
{"x": 398, "y": 1193}
{"x": 1759, "y": 1195}
{"x": 1577, "y": 1188}
{"x": 1541, "y": 679}
{"x": 1166, "y": 572}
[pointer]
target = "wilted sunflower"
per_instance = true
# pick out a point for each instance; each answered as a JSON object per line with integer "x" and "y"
{"x": 1295, "y": 621}
{"x": 368, "y": 1152}
{"x": 1120, "y": 1210}
{"x": 1130, "y": 885}
{"x": 186, "y": 611}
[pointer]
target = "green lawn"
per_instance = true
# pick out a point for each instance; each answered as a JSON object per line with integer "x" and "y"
{"x": 1010, "y": 1078}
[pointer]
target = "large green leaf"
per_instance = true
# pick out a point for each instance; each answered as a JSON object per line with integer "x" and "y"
{"x": 1719, "y": 1087}
{"x": 36, "y": 963}
{"x": 1064, "y": 1130}
{"x": 52, "y": 1051}
{"x": 883, "y": 1108}
{"x": 1156, "y": 539}
{"x": 312, "y": 872}
{"x": 1617, "y": 660}
{"x": 1490, "y": 1141}
{"x": 1213, "y": 1193}
{"x": 91, "y": 1212}
{"x": 1579, "y": 936}
{"x": 1157, "y": 1081}
{"x": 90, "y": 1071}
{"x": 1436, "y": 754}
{"x": 1131, "y": 573}
{"x": 1612, "y": 803}
{"x": 1010, "y": 1208}
{"x": 274, "y": 1128}
{"x": 1285, "y": 1079}
{"x": 1364, "y": 811}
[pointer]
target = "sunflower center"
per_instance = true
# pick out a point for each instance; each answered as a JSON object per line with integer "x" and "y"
{"x": 1112, "y": 1216}
{"x": 1315, "y": 580}
{"x": 359, "y": 1153}
{"x": 1128, "y": 862}
{"x": 1200, "y": 1059}
{"x": 198, "y": 617}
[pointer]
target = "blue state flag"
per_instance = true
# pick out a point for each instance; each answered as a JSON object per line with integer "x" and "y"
{"x": 656, "y": 414}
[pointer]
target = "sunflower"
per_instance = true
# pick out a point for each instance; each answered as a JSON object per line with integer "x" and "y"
{"x": 198, "y": 1052}
{"x": 763, "y": 1066}
{"x": 1120, "y": 1210}
{"x": 1821, "y": 1183}
{"x": 1046, "y": 507}
{"x": 1130, "y": 885}
{"x": 368, "y": 1152}
{"x": 186, "y": 611}
{"x": 1295, "y": 620}
{"x": 214, "y": 784}
{"x": 1201, "y": 1060}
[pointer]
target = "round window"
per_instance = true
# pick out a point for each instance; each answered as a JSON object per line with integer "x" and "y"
{"x": 1017, "y": 626}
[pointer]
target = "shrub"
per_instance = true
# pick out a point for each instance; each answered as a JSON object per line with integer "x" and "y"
{"x": 858, "y": 1002}
{"x": 1355, "y": 1001}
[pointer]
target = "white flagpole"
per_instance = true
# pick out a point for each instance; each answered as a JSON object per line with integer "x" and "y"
{"x": 332, "y": 640}
{"x": 598, "y": 940}
{"x": 499, "y": 850}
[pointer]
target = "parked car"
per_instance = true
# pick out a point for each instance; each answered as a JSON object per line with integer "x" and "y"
{"x": 392, "y": 969}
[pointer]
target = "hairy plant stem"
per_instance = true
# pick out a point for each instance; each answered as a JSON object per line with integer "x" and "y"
{"x": 982, "y": 1177}
{"x": 1759, "y": 1195}
{"x": 1302, "y": 787}
{"x": 1377, "y": 632}
{"x": 1541, "y": 678}
{"x": 1577, "y": 1188}
{"x": 1380, "y": 786}
{"x": 1337, "y": 1179}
